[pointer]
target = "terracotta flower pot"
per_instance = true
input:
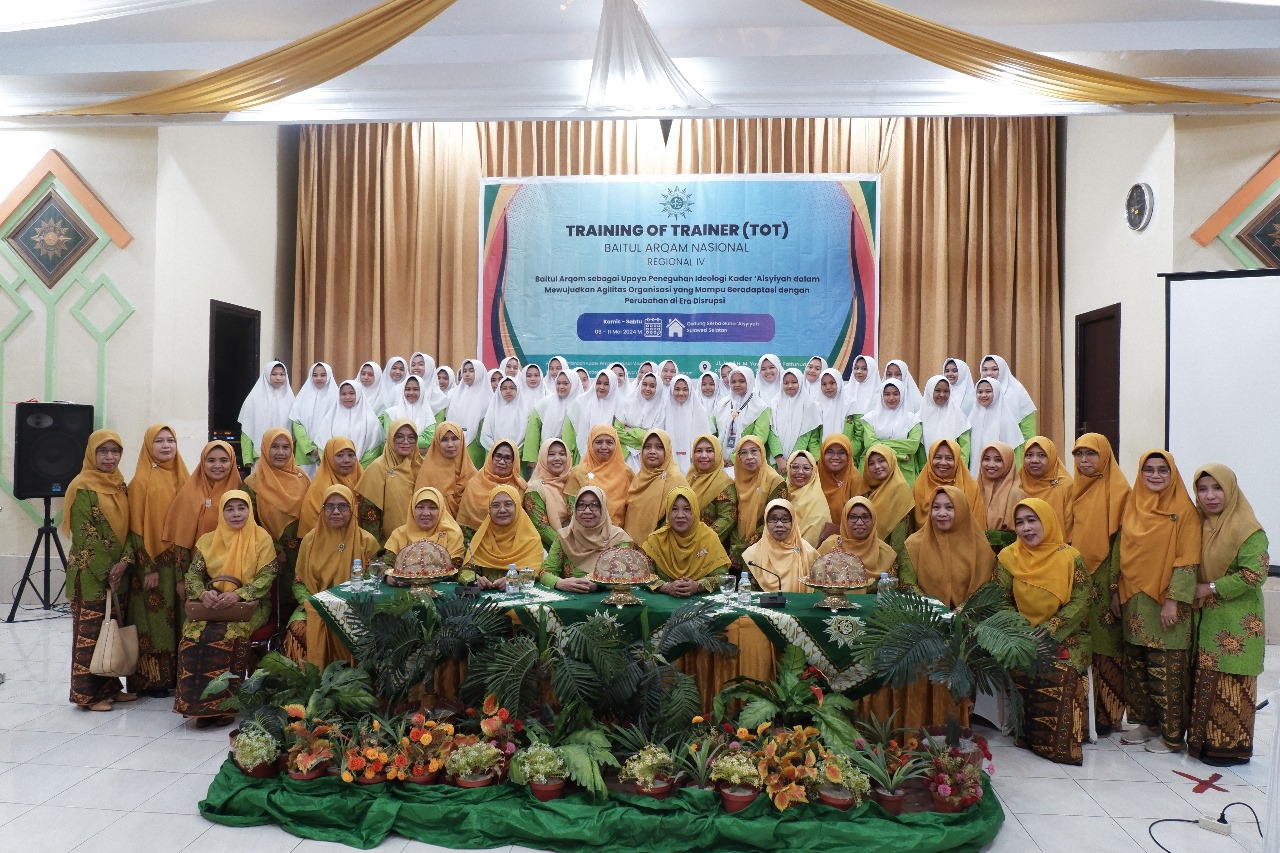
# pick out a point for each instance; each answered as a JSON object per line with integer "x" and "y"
{"x": 837, "y": 798}
{"x": 547, "y": 791}
{"x": 945, "y": 805}
{"x": 425, "y": 779}
{"x": 266, "y": 770}
{"x": 659, "y": 790}
{"x": 737, "y": 799}
{"x": 307, "y": 775}
{"x": 477, "y": 781}
{"x": 375, "y": 779}
{"x": 890, "y": 801}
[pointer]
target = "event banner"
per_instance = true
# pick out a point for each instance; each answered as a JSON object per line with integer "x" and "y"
{"x": 701, "y": 270}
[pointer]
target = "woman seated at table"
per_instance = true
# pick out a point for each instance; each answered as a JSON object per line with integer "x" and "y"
{"x": 506, "y": 537}
{"x": 233, "y": 564}
{"x": 658, "y": 475}
{"x": 604, "y": 466}
{"x": 324, "y": 561}
{"x": 686, "y": 554}
{"x": 891, "y": 496}
{"x": 714, "y": 487}
{"x": 781, "y": 551}
{"x": 1050, "y": 587}
{"x": 590, "y": 532}
{"x": 949, "y": 558}
{"x": 858, "y": 537}
{"x": 805, "y": 494}
{"x": 429, "y": 519}
{"x": 500, "y": 469}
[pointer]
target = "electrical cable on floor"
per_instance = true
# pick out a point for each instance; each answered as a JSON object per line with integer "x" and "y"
{"x": 1222, "y": 818}
{"x": 1256, "y": 822}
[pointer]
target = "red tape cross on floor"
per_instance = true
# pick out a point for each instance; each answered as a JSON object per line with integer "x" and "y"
{"x": 1203, "y": 785}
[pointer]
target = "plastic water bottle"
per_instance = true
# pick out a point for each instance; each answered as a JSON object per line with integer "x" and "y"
{"x": 887, "y": 583}
{"x": 744, "y": 589}
{"x": 513, "y": 580}
{"x": 357, "y": 575}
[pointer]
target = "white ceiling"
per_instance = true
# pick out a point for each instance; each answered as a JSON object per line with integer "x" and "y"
{"x": 531, "y": 59}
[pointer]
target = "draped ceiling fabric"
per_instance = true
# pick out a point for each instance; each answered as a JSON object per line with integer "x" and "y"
{"x": 389, "y": 226}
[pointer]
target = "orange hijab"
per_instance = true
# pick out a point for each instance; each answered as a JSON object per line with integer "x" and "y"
{"x": 280, "y": 490}
{"x": 1000, "y": 495}
{"x": 194, "y": 511}
{"x": 928, "y": 483}
{"x": 113, "y": 496}
{"x": 551, "y": 486}
{"x": 326, "y": 475}
{"x": 951, "y": 565}
{"x": 790, "y": 558}
{"x": 647, "y": 495}
{"x": 152, "y": 490}
{"x": 1053, "y": 487}
{"x": 446, "y": 532}
{"x": 450, "y": 476}
{"x": 693, "y": 554}
{"x": 1097, "y": 502}
{"x": 850, "y": 482}
{"x": 1042, "y": 574}
{"x": 240, "y": 553}
{"x": 891, "y": 497}
{"x": 518, "y": 542}
{"x": 1158, "y": 531}
{"x": 876, "y": 554}
{"x": 324, "y": 561}
{"x": 708, "y": 485}
{"x": 754, "y": 489}
{"x": 610, "y": 474}
{"x": 388, "y": 481}
{"x": 811, "y": 513}
{"x": 474, "y": 508}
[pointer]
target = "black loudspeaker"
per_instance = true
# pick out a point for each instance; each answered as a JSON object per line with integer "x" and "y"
{"x": 48, "y": 447}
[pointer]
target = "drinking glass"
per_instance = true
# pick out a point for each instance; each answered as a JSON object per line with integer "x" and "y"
{"x": 526, "y": 581}
{"x": 727, "y": 583}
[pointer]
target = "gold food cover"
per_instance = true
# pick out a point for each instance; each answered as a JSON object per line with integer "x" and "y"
{"x": 423, "y": 560}
{"x": 839, "y": 570}
{"x": 622, "y": 565}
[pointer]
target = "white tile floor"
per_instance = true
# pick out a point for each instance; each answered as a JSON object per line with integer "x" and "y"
{"x": 129, "y": 780}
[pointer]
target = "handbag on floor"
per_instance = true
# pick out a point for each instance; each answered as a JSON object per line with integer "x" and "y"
{"x": 115, "y": 655}
{"x": 241, "y": 611}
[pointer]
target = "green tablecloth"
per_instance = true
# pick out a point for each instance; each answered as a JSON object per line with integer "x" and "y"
{"x": 329, "y": 809}
{"x": 825, "y": 636}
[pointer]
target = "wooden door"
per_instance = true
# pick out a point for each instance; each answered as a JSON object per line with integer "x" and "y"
{"x": 1098, "y": 373}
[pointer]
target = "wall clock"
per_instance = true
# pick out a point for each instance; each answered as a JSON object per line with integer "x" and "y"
{"x": 1138, "y": 205}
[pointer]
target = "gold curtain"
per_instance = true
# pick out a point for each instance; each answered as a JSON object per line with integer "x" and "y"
{"x": 968, "y": 234}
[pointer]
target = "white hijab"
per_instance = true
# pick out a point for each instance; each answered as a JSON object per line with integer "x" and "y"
{"x": 553, "y": 409}
{"x": 390, "y": 393}
{"x": 736, "y": 413}
{"x": 685, "y": 422}
{"x": 590, "y": 409}
{"x": 373, "y": 392}
{"x": 831, "y": 409}
{"x": 861, "y": 396}
{"x": 666, "y": 386}
{"x": 941, "y": 421}
{"x": 506, "y": 362}
{"x": 357, "y": 423}
{"x": 891, "y": 423}
{"x": 450, "y": 375}
{"x": 504, "y": 419}
{"x": 911, "y": 396}
{"x": 712, "y": 403}
{"x": 963, "y": 386}
{"x": 636, "y": 411}
{"x": 814, "y": 388}
{"x": 266, "y": 407}
{"x": 420, "y": 412}
{"x": 793, "y": 416}
{"x": 991, "y": 423}
{"x": 468, "y": 403}
{"x": 313, "y": 407}
{"x": 564, "y": 365}
{"x": 582, "y": 375}
{"x": 1017, "y": 399}
{"x": 769, "y": 391}
{"x": 430, "y": 387}
{"x": 530, "y": 396}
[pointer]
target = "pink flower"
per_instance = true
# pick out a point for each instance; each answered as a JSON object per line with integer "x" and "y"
{"x": 944, "y": 790}
{"x": 735, "y": 744}
{"x": 509, "y": 748}
{"x": 978, "y": 793}
{"x": 860, "y": 743}
{"x": 991, "y": 767}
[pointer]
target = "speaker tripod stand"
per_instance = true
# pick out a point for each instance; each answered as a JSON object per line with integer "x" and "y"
{"x": 47, "y": 534}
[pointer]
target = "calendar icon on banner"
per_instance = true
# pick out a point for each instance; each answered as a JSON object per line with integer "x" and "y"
{"x": 653, "y": 327}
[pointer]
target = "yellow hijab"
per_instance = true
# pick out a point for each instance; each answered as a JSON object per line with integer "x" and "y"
{"x": 450, "y": 476}
{"x": 326, "y": 475}
{"x": 1042, "y": 574}
{"x": 239, "y": 553}
{"x": 1159, "y": 530}
{"x": 1097, "y": 502}
{"x": 951, "y": 565}
{"x": 1053, "y": 487}
{"x": 610, "y": 474}
{"x": 928, "y": 483}
{"x": 1224, "y": 533}
{"x": 474, "y": 509}
{"x": 194, "y": 511}
{"x": 891, "y": 497}
{"x": 811, "y": 512}
{"x": 113, "y": 494}
{"x": 551, "y": 486}
{"x": 708, "y": 485}
{"x": 851, "y": 483}
{"x": 693, "y": 554}
{"x": 582, "y": 546}
{"x": 446, "y": 531}
{"x": 647, "y": 495}
{"x": 754, "y": 489}
{"x": 999, "y": 496}
{"x": 496, "y": 547}
{"x": 876, "y": 554}
{"x": 388, "y": 483}
{"x": 152, "y": 490}
{"x": 790, "y": 558}
{"x": 280, "y": 491}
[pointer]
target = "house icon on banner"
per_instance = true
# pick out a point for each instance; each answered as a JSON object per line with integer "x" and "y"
{"x": 675, "y": 329}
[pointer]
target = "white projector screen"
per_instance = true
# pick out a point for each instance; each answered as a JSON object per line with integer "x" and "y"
{"x": 1223, "y": 395}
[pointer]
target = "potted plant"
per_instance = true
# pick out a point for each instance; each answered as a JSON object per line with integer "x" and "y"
{"x": 954, "y": 783}
{"x": 888, "y": 768}
{"x": 738, "y": 773}
{"x": 308, "y": 744}
{"x": 425, "y": 743}
{"x": 474, "y": 765}
{"x": 650, "y": 769}
{"x": 255, "y": 751}
{"x": 840, "y": 784}
{"x": 788, "y": 760}
{"x": 366, "y": 759}
{"x": 542, "y": 768}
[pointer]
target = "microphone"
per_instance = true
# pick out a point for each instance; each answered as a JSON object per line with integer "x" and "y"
{"x": 770, "y": 599}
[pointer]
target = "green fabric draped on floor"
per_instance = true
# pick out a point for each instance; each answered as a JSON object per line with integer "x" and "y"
{"x": 329, "y": 809}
